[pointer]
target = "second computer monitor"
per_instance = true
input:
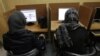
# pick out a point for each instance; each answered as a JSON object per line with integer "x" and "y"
{"x": 61, "y": 13}
{"x": 97, "y": 15}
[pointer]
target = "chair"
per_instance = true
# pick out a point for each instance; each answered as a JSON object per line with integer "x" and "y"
{"x": 33, "y": 52}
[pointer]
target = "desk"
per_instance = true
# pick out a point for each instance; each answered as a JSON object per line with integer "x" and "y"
{"x": 54, "y": 25}
{"x": 36, "y": 28}
{"x": 95, "y": 28}
{"x": 96, "y": 33}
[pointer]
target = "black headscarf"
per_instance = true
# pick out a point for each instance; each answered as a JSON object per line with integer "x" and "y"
{"x": 71, "y": 19}
{"x": 16, "y": 21}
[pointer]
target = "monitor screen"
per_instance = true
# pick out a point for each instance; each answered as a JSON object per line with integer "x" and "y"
{"x": 30, "y": 15}
{"x": 97, "y": 14}
{"x": 61, "y": 13}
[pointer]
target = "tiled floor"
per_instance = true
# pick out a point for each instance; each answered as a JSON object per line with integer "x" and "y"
{"x": 2, "y": 52}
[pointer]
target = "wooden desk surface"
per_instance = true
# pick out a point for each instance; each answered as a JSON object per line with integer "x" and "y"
{"x": 95, "y": 26}
{"x": 36, "y": 28}
{"x": 54, "y": 25}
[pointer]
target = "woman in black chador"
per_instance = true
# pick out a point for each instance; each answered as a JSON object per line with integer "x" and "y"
{"x": 72, "y": 38}
{"x": 18, "y": 41}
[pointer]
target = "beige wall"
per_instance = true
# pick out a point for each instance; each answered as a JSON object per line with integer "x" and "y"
{"x": 3, "y": 25}
{"x": 10, "y": 4}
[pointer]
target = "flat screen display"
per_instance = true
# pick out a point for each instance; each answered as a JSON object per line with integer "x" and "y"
{"x": 97, "y": 14}
{"x": 30, "y": 15}
{"x": 61, "y": 13}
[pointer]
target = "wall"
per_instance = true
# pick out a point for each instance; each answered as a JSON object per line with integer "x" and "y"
{"x": 3, "y": 25}
{"x": 10, "y": 4}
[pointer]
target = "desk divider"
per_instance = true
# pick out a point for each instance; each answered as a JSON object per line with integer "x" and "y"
{"x": 92, "y": 4}
{"x": 54, "y": 8}
{"x": 85, "y": 15}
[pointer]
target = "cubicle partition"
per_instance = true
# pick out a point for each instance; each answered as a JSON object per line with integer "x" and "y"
{"x": 41, "y": 9}
{"x": 95, "y": 26}
{"x": 85, "y": 16}
{"x": 55, "y": 6}
{"x": 92, "y": 4}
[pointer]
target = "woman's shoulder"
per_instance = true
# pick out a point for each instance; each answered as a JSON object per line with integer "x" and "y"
{"x": 81, "y": 30}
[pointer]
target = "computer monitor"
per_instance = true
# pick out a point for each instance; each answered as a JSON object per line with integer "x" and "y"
{"x": 97, "y": 14}
{"x": 61, "y": 13}
{"x": 30, "y": 15}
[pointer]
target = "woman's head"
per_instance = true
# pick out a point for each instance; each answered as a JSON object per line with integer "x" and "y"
{"x": 71, "y": 18}
{"x": 71, "y": 15}
{"x": 16, "y": 21}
